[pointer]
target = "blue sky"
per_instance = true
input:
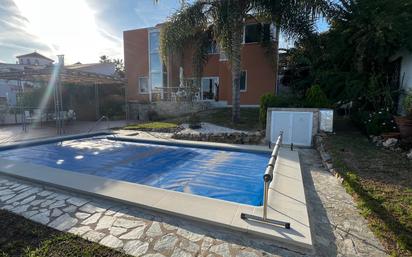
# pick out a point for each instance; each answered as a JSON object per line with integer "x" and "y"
{"x": 82, "y": 30}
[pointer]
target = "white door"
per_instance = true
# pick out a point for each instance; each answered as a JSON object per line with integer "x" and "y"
{"x": 296, "y": 127}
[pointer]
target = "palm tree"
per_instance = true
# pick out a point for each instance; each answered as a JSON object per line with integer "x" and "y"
{"x": 197, "y": 24}
{"x": 224, "y": 20}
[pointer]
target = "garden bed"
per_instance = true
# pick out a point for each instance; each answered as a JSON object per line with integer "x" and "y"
{"x": 162, "y": 127}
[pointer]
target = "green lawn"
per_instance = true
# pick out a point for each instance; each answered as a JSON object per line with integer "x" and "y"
{"x": 152, "y": 126}
{"x": 381, "y": 183}
{"x": 249, "y": 118}
{"x": 22, "y": 237}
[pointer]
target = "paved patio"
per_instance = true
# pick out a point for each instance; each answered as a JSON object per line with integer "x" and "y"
{"x": 338, "y": 229}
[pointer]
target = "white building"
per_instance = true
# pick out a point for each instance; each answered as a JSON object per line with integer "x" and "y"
{"x": 34, "y": 59}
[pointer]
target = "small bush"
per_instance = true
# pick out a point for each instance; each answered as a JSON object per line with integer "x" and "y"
{"x": 316, "y": 98}
{"x": 152, "y": 115}
{"x": 194, "y": 121}
{"x": 407, "y": 103}
{"x": 375, "y": 123}
{"x": 271, "y": 100}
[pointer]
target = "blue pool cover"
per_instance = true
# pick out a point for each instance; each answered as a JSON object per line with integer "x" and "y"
{"x": 228, "y": 175}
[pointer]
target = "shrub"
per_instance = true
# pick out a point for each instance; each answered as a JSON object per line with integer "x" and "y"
{"x": 316, "y": 98}
{"x": 271, "y": 100}
{"x": 407, "y": 103}
{"x": 152, "y": 115}
{"x": 194, "y": 121}
{"x": 375, "y": 123}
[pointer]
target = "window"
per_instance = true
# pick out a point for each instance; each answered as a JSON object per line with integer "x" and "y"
{"x": 243, "y": 81}
{"x": 213, "y": 48}
{"x": 143, "y": 85}
{"x": 28, "y": 61}
{"x": 254, "y": 32}
{"x": 158, "y": 76}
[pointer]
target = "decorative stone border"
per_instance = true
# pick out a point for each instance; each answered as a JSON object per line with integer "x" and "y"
{"x": 231, "y": 138}
{"x": 326, "y": 158}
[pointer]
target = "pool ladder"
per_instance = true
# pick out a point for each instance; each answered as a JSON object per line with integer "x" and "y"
{"x": 267, "y": 178}
{"x": 98, "y": 121}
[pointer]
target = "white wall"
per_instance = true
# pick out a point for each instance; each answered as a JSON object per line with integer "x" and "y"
{"x": 32, "y": 60}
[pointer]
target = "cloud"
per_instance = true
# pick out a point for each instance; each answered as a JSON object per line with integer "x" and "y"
{"x": 56, "y": 27}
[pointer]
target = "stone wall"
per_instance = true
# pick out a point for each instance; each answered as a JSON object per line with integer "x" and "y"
{"x": 231, "y": 138}
{"x": 144, "y": 111}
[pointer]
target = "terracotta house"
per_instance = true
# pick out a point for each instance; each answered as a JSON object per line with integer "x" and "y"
{"x": 151, "y": 80}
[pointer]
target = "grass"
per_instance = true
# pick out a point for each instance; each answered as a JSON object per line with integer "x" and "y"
{"x": 381, "y": 183}
{"x": 249, "y": 118}
{"x": 22, "y": 237}
{"x": 152, "y": 126}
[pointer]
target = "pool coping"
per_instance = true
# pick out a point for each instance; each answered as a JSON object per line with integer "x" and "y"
{"x": 286, "y": 194}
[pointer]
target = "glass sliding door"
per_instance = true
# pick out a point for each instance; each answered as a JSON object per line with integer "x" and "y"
{"x": 208, "y": 88}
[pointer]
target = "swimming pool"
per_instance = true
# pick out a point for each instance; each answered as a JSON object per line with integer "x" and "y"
{"x": 224, "y": 174}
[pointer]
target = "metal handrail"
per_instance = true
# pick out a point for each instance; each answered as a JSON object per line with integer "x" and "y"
{"x": 267, "y": 179}
{"x": 98, "y": 121}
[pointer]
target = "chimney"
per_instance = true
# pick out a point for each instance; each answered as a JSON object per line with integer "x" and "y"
{"x": 61, "y": 59}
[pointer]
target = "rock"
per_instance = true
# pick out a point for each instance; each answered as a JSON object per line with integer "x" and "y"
{"x": 28, "y": 214}
{"x": 42, "y": 218}
{"x": 92, "y": 219}
{"x": 56, "y": 212}
{"x": 20, "y": 209}
{"x": 46, "y": 203}
{"x": 45, "y": 193}
{"x": 92, "y": 208}
{"x": 111, "y": 241}
{"x": 390, "y": 142}
{"x": 166, "y": 243}
{"x": 154, "y": 230}
{"x": 58, "y": 204}
{"x": 37, "y": 202}
{"x": 80, "y": 230}
{"x": 6, "y": 197}
{"x": 189, "y": 246}
{"x": 207, "y": 243}
{"x": 60, "y": 197}
{"x": 105, "y": 222}
{"x": 23, "y": 195}
{"x": 192, "y": 236}
{"x": 134, "y": 234}
{"x": 116, "y": 231}
{"x": 6, "y": 192}
{"x": 94, "y": 236}
{"x": 154, "y": 255}
{"x": 221, "y": 249}
{"x": 76, "y": 201}
{"x": 409, "y": 155}
{"x": 180, "y": 253}
{"x": 71, "y": 208}
{"x": 63, "y": 222}
{"x": 136, "y": 247}
{"x": 246, "y": 254}
{"x": 82, "y": 215}
{"x": 126, "y": 223}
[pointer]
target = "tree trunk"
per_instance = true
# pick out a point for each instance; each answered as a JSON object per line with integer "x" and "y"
{"x": 236, "y": 73}
{"x": 276, "y": 59}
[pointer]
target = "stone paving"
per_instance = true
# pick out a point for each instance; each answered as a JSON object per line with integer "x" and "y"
{"x": 338, "y": 229}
